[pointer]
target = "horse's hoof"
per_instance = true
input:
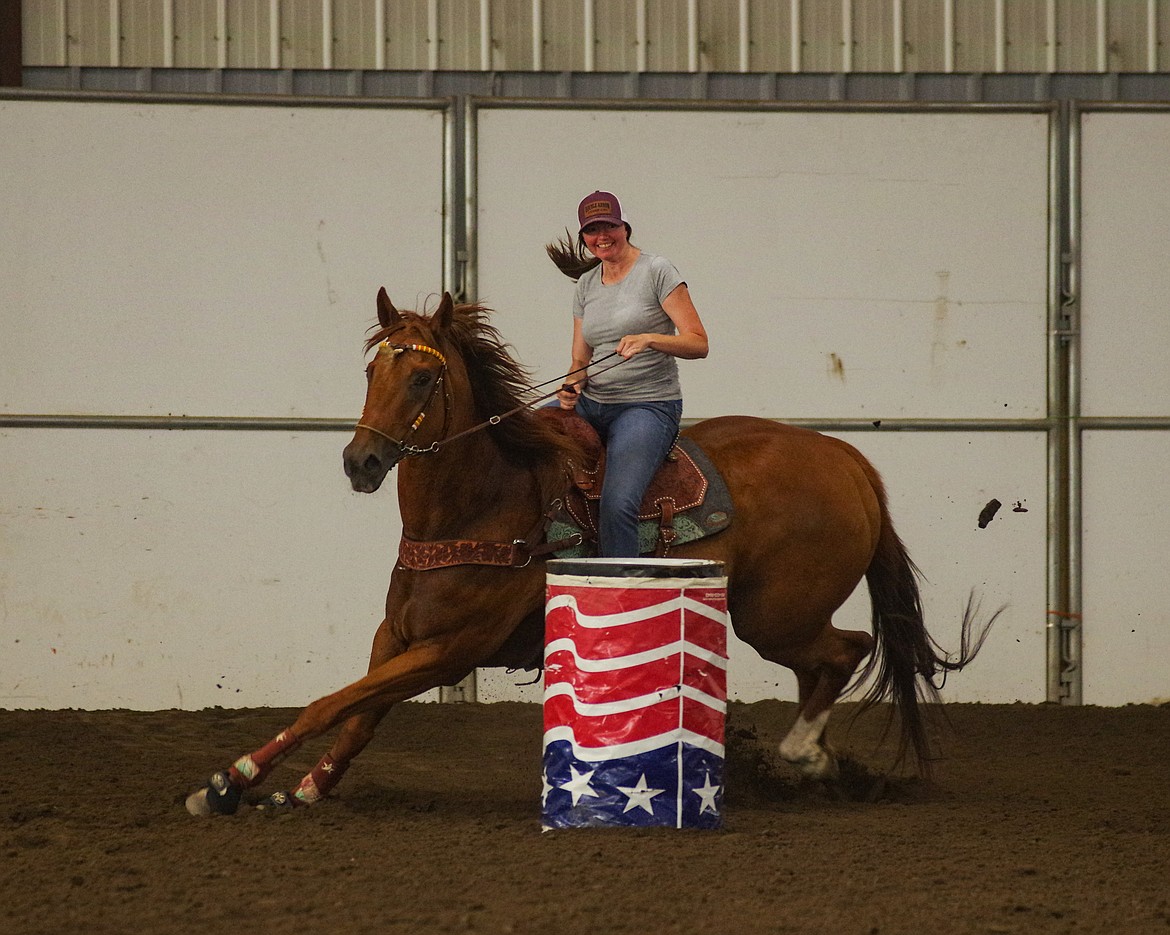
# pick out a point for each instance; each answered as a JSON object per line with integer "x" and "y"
{"x": 816, "y": 765}
{"x": 279, "y": 802}
{"x": 218, "y": 797}
{"x": 197, "y": 804}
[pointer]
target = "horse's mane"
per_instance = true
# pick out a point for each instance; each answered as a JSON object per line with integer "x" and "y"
{"x": 499, "y": 385}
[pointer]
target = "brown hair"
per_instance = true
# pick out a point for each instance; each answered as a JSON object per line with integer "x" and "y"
{"x": 573, "y": 259}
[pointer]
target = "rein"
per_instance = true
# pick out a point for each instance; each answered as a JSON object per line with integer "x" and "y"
{"x": 414, "y": 451}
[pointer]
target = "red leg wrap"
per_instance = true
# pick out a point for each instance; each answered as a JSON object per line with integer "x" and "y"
{"x": 320, "y": 781}
{"x": 251, "y": 769}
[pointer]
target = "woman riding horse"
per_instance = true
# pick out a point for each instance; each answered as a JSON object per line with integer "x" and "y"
{"x": 475, "y": 493}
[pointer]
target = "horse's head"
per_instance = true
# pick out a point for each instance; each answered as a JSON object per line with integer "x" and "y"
{"x": 405, "y": 410}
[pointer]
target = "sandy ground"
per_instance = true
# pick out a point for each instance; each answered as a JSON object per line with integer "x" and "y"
{"x": 1038, "y": 819}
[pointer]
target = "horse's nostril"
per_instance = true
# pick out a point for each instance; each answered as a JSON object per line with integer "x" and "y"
{"x": 372, "y": 463}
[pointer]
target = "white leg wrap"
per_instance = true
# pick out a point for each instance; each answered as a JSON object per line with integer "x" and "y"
{"x": 802, "y": 747}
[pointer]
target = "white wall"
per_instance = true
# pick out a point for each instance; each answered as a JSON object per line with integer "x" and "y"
{"x": 1125, "y": 186}
{"x": 185, "y": 569}
{"x": 206, "y": 260}
{"x": 222, "y": 260}
{"x": 909, "y": 247}
{"x": 847, "y": 265}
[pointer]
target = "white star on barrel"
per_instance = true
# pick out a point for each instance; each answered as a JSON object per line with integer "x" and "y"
{"x": 707, "y": 793}
{"x": 579, "y": 784}
{"x": 639, "y": 796}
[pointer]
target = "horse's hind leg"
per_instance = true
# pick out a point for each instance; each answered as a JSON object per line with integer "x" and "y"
{"x": 822, "y": 672}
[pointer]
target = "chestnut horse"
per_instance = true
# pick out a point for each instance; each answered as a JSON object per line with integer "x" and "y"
{"x": 810, "y": 522}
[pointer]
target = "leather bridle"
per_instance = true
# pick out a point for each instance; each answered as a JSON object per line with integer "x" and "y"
{"x": 404, "y": 447}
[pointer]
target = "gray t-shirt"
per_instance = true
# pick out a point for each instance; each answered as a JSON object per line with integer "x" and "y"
{"x": 632, "y": 306}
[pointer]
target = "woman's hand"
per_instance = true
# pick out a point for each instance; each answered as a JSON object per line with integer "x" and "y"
{"x": 568, "y": 395}
{"x": 633, "y": 344}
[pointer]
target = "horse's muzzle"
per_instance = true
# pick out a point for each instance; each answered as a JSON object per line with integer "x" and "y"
{"x": 367, "y": 462}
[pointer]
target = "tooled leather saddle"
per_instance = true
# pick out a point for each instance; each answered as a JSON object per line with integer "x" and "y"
{"x": 687, "y": 499}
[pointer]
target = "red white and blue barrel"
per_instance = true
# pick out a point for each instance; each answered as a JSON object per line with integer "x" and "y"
{"x": 635, "y": 693}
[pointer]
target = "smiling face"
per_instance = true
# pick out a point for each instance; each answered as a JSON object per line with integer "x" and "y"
{"x": 604, "y": 240}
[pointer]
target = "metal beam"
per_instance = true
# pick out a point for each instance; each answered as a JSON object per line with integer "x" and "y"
{"x": 11, "y": 44}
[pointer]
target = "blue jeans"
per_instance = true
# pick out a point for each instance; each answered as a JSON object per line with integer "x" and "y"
{"x": 637, "y": 437}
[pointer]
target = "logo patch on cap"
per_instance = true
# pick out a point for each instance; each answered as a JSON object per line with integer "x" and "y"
{"x": 594, "y": 208}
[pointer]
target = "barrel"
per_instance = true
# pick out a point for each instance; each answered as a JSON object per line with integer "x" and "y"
{"x": 635, "y": 693}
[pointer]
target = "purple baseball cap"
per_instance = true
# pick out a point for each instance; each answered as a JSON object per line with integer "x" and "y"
{"x": 600, "y": 206}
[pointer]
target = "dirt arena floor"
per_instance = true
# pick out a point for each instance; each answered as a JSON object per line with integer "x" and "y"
{"x": 1039, "y": 819}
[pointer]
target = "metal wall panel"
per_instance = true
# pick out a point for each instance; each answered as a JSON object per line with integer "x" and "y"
{"x": 459, "y": 35}
{"x": 873, "y": 36}
{"x": 407, "y": 38}
{"x": 866, "y": 224}
{"x": 153, "y": 570}
{"x": 1126, "y": 615}
{"x": 771, "y": 36}
{"x": 1161, "y": 33}
{"x": 989, "y": 36}
{"x": 616, "y": 33}
{"x": 355, "y": 34}
{"x": 301, "y": 32}
{"x": 511, "y": 35}
{"x": 171, "y": 258}
{"x": 88, "y": 30}
{"x": 975, "y": 37}
{"x": 666, "y": 24}
{"x": 141, "y": 33}
{"x": 925, "y": 36}
{"x": 1125, "y": 186}
{"x": 669, "y": 36}
{"x": 1127, "y": 37}
{"x": 564, "y": 38}
{"x": 42, "y": 31}
{"x": 1025, "y": 48}
{"x": 197, "y": 38}
{"x": 1076, "y": 28}
{"x": 821, "y": 25}
{"x": 248, "y": 239}
{"x": 1124, "y": 332}
{"x": 718, "y": 39}
{"x": 250, "y": 39}
{"x": 832, "y": 288}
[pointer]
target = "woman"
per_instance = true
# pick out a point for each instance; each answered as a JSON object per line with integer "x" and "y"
{"x": 635, "y": 305}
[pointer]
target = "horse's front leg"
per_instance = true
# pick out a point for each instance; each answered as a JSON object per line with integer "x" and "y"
{"x": 400, "y": 676}
{"x": 355, "y": 735}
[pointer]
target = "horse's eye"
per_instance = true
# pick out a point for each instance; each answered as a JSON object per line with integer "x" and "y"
{"x": 369, "y": 371}
{"x": 421, "y": 379}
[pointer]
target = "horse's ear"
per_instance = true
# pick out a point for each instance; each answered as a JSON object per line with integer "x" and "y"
{"x": 387, "y": 313}
{"x": 445, "y": 313}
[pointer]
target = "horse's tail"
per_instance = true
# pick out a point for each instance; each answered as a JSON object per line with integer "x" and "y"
{"x": 910, "y": 666}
